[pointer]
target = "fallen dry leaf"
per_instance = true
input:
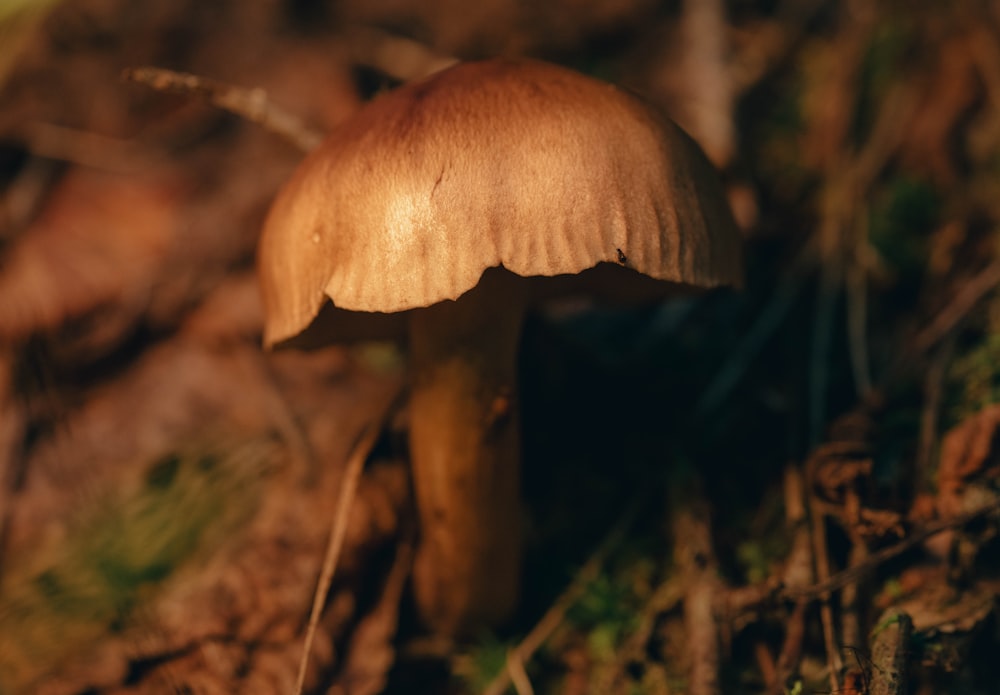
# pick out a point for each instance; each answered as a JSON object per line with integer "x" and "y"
{"x": 967, "y": 451}
{"x": 94, "y": 249}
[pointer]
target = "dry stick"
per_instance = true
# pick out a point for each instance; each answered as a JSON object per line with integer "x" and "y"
{"x": 81, "y": 147}
{"x": 251, "y": 104}
{"x": 798, "y": 572}
{"x": 348, "y": 489}
{"x": 708, "y": 90}
{"x": 791, "y": 649}
{"x": 667, "y": 595}
{"x": 830, "y": 280}
{"x": 948, "y": 318}
{"x": 822, "y": 562}
{"x": 399, "y": 57}
{"x": 890, "y": 648}
{"x": 765, "y": 662}
{"x": 837, "y": 201}
{"x": 857, "y": 314}
{"x": 933, "y": 397}
{"x": 554, "y": 616}
{"x": 518, "y": 676}
{"x": 865, "y": 168}
{"x": 845, "y": 186}
{"x": 850, "y": 597}
{"x": 753, "y": 341}
{"x": 695, "y": 558}
{"x": 850, "y": 574}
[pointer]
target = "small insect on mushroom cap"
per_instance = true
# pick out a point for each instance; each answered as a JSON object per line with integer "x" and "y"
{"x": 512, "y": 163}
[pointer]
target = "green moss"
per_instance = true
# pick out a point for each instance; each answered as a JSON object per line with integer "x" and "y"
{"x": 116, "y": 553}
{"x": 477, "y": 668}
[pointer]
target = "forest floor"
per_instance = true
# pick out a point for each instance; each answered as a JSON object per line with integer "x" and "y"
{"x": 794, "y": 488}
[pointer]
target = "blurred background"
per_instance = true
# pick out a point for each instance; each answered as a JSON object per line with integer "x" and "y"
{"x": 166, "y": 486}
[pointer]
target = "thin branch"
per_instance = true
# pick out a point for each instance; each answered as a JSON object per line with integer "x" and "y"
{"x": 964, "y": 301}
{"x": 348, "y": 490}
{"x": 821, "y": 559}
{"x": 752, "y": 343}
{"x": 931, "y": 413}
{"x": 82, "y": 147}
{"x": 696, "y": 562}
{"x": 556, "y": 613}
{"x": 850, "y": 574}
{"x": 851, "y": 597}
{"x": 791, "y": 650}
{"x": 798, "y": 572}
{"x": 399, "y": 57}
{"x": 827, "y": 292}
{"x": 665, "y": 597}
{"x": 251, "y": 104}
{"x": 857, "y": 312}
{"x": 518, "y": 676}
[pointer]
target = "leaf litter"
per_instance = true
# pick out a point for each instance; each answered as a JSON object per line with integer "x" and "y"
{"x": 167, "y": 486}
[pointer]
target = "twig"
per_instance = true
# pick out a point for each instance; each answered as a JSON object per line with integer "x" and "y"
{"x": 348, "y": 489}
{"x": 827, "y": 292}
{"x": 822, "y": 561}
{"x": 890, "y": 647}
{"x": 850, "y": 597}
{"x": 696, "y": 561}
{"x": 399, "y": 57}
{"x": 765, "y": 662}
{"x": 709, "y": 92}
{"x": 857, "y": 312}
{"x": 857, "y": 175}
{"x": 798, "y": 573}
{"x": 518, "y": 676}
{"x": 750, "y": 345}
{"x": 840, "y": 579}
{"x": 948, "y": 318}
{"x": 82, "y": 147}
{"x": 847, "y": 184}
{"x": 929, "y": 416}
{"x": 665, "y": 597}
{"x": 556, "y": 613}
{"x": 251, "y": 104}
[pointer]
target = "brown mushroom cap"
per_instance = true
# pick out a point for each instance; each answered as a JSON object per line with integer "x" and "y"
{"x": 512, "y": 163}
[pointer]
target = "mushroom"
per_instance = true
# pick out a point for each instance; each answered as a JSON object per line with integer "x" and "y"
{"x": 441, "y": 211}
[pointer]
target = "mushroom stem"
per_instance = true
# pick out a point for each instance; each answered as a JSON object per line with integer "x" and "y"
{"x": 465, "y": 452}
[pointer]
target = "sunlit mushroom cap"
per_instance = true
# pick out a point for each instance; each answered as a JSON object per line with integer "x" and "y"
{"x": 511, "y": 163}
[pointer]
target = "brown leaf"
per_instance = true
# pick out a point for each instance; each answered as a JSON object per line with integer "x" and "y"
{"x": 966, "y": 451}
{"x": 95, "y": 247}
